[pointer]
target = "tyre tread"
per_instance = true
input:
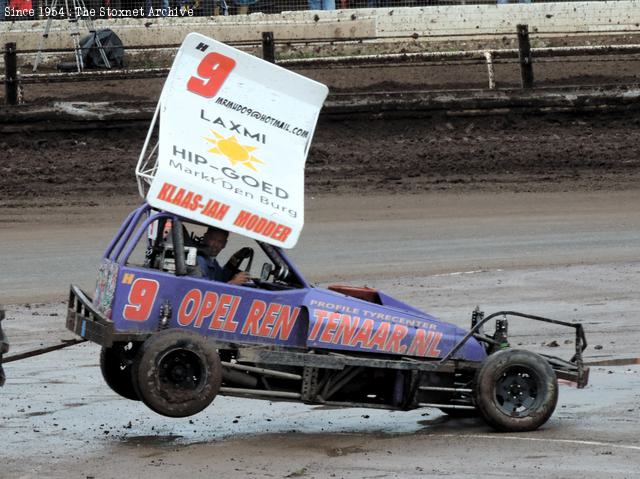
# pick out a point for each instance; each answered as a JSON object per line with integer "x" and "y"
{"x": 485, "y": 383}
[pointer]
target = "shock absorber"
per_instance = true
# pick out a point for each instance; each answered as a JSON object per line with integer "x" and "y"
{"x": 476, "y": 317}
{"x": 502, "y": 333}
{"x": 165, "y": 315}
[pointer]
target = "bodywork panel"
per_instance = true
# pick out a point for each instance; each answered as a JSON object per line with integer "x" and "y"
{"x": 227, "y": 312}
{"x": 143, "y": 300}
{"x": 341, "y": 322}
{"x": 305, "y": 317}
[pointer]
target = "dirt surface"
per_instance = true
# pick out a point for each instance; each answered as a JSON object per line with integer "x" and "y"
{"x": 64, "y": 422}
{"x": 353, "y": 238}
{"x": 532, "y": 213}
{"x": 497, "y": 153}
{"x": 571, "y": 256}
{"x": 545, "y": 152}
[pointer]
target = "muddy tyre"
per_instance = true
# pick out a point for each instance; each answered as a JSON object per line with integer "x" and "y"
{"x": 177, "y": 373}
{"x": 115, "y": 365}
{"x": 516, "y": 390}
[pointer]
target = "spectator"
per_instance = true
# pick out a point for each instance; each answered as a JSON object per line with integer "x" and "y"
{"x": 322, "y": 4}
{"x": 205, "y": 8}
{"x": 377, "y": 3}
{"x": 242, "y": 6}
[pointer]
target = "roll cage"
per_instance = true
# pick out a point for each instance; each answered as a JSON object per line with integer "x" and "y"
{"x": 282, "y": 273}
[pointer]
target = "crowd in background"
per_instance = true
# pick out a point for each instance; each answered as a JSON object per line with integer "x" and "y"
{"x": 31, "y": 9}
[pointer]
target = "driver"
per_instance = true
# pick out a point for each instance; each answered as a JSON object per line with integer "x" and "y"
{"x": 214, "y": 241}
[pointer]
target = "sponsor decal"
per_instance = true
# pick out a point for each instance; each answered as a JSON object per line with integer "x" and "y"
{"x": 234, "y": 151}
{"x": 271, "y": 320}
{"x": 262, "y": 226}
{"x": 234, "y": 133}
{"x": 231, "y": 179}
{"x": 245, "y": 220}
{"x": 208, "y": 310}
{"x": 217, "y": 312}
{"x": 237, "y": 128}
{"x": 213, "y": 70}
{"x": 262, "y": 117}
{"x": 345, "y": 308}
{"x": 192, "y": 201}
{"x": 140, "y": 301}
{"x": 331, "y": 327}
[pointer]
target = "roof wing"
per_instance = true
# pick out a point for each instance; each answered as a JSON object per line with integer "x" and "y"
{"x": 234, "y": 133}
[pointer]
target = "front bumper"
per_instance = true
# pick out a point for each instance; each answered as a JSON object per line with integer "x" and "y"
{"x": 572, "y": 370}
{"x": 87, "y": 322}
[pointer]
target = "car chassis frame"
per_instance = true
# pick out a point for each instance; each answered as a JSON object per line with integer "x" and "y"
{"x": 319, "y": 375}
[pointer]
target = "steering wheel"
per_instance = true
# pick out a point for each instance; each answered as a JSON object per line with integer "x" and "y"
{"x": 238, "y": 257}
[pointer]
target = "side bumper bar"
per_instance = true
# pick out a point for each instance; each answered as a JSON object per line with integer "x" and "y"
{"x": 85, "y": 321}
{"x": 573, "y": 370}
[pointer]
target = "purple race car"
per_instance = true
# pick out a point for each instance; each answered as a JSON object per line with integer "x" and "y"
{"x": 174, "y": 339}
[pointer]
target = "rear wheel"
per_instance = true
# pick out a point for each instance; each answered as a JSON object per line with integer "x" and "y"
{"x": 115, "y": 365}
{"x": 516, "y": 390}
{"x": 177, "y": 373}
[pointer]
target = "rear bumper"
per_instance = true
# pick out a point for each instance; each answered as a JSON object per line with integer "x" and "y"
{"x": 574, "y": 372}
{"x": 85, "y": 321}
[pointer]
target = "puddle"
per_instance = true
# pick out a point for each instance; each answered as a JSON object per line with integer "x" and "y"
{"x": 614, "y": 362}
{"x": 151, "y": 440}
{"x": 343, "y": 451}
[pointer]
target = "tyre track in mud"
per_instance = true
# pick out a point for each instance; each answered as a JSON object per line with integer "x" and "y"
{"x": 545, "y": 152}
{"x": 364, "y": 153}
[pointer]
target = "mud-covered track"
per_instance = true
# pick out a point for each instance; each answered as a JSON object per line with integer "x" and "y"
{"x": 567, "y": 151}
{"x": 67, "y": 115}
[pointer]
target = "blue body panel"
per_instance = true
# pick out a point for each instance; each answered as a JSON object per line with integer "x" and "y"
{"x": 337, "y": 321}
{"x": 211, "y": 308}
{"x": 304, "y": 317}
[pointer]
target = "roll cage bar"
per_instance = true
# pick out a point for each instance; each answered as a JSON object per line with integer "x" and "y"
{"x": 124, "y": 242}
{"x": 573, "y": 369}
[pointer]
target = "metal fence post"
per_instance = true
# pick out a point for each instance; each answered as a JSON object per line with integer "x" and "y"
{"x": 268, "y": 47}
{"x": 526, "y": 61}
{"x": 490, "y": 70}
{"x": 10, "y": 74}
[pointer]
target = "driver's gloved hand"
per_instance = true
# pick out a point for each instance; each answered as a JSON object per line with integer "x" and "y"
{"x": 237, "y": 257}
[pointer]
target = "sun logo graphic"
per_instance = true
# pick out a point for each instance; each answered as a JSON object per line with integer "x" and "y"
{"x": 234, "y": 151}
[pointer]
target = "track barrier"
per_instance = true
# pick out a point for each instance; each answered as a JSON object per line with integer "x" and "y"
{"x": 524, "y": 55}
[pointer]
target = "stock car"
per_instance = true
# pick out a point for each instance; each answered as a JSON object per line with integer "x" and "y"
{"x": 175, "y": 340}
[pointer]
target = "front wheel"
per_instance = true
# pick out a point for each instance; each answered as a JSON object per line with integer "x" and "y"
{"x": 115, "y": 365}
{"x": 177, "y": 373}
{"x": 516, "y": 390}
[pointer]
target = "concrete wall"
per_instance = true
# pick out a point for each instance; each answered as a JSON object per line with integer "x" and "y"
{"x": 445, "y": 23}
